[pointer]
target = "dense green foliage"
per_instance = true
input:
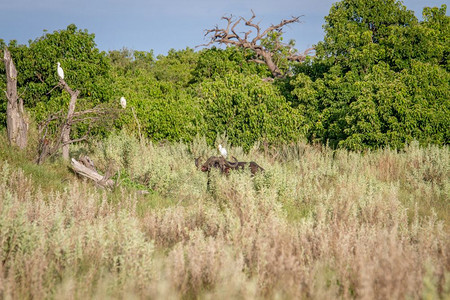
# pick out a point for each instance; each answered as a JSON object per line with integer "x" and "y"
{"x": 247, "y": 110}
{"x": 157, "y": 101}
{"x": 384, "y": 77}
{"x": 380, "y": 78}
{"x": 210, "y": 92}
{"x": 86, "y": 69}
{"x": 216, "y": 63}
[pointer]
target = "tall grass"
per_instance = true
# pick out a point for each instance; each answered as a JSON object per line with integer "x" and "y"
{"x": 317, "y": 224}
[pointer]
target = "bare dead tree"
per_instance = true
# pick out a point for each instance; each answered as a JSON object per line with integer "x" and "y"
{"x": 263, "y": 54}
{"x": 65, "y": 132}
{"x": 53, "y": 131}
{"x": 16, "y": 119}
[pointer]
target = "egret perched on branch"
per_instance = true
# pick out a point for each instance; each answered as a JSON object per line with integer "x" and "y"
{"x": 60, "y": 71}
{"x": 223, "y": 151}
{"x": 123, "y": 102}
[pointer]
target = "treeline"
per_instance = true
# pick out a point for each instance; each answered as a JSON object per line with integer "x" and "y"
{"x": 379, "y": 78}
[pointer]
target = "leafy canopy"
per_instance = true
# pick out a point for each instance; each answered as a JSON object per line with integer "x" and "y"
{"x": 86, "y": 69}
{"x": 384, "y": 79}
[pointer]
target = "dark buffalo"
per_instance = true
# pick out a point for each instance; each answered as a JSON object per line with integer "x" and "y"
{"x": 225, "y": 166}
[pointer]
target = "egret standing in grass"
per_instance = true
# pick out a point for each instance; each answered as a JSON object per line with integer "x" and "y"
{"x": 123, "y": 102}
{"x": 223, "y": 151}
{"x": 60, "y": 71}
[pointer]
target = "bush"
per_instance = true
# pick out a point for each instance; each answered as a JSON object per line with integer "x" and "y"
{"x": 247, "y": 110}
{"x": 383, "y": 108}
{"x": 323, "y": 223}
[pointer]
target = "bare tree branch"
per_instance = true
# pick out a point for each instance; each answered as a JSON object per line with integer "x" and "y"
{"x": 301, "y": 57}
{"x": 229, "y": 36}
{"x": 51, "y": 142}
{"x": 55, "y": 131}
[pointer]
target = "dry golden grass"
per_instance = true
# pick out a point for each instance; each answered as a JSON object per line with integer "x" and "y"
{"x": 318, "y": 224}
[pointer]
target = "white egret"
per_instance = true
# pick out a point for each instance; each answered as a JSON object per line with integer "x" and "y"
{"x": 60, "y": 71}
{"x": 223, "y": 151}
{"x": 123, "y": 102}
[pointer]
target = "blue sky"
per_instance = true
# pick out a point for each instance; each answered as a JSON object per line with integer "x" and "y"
{"x": 163, "y": 25}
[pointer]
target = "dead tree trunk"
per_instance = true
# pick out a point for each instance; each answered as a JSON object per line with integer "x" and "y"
{"x": 65, "y": 133}
{"x": 16, "y": 119}
{"x": 51, "y": 140}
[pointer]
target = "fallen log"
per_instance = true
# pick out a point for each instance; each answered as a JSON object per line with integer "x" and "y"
{"x": 91, "y": 173}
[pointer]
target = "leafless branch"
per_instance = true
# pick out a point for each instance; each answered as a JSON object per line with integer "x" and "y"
{"x": 83, "y": 138}
{"x": 302, "y": 57}
{"x": 52, "y": 130}
{"x": 230, "y": 36}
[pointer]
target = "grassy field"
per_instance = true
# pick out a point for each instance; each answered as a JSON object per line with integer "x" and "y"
{"x": 319, "y": 224}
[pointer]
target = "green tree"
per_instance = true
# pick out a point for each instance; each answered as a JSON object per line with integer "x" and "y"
{"x": 176, "y": 66}
{"x": 86, "y": 69}
{"x": 217, "y": 62}
{"x": 357, "y": 31}
{"x": 160, "y": 108}
{"x": 384, "y": 108}
{"x": 438, "y": 23}
{"x": 247, "y": 110}
{"x": 359, "y": 34}
{"x": 126, "y": 59}
{"x": 384, "y": 77}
